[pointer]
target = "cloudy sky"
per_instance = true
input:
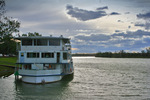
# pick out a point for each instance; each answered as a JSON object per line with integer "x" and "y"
{"x": 92, "y": 25}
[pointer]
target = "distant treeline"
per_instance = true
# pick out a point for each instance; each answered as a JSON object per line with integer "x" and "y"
{"x": 123, "y": 54}
{"x": 83, "y": 54}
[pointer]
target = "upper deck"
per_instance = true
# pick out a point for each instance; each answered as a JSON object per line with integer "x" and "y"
{"x": 40, "y": 49}
{"x": 44, "y": 43}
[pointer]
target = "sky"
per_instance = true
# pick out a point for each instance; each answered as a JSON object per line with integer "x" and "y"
{"x": 93, "y": 25}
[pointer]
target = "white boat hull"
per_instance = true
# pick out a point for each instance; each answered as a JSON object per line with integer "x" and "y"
{"x": 39, "y": 80}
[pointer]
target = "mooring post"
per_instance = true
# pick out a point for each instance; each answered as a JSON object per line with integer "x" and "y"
{"x": 16, "y": 73}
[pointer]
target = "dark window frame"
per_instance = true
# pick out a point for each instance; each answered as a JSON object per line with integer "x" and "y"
{"x": 33, "y": 54}
{"x": 27, "y": 42}
{"x": 65, "y": 55}
{"x": 47, "y": 55}
{"x": 40, "y": 42}
{"x": 54, "y": 42}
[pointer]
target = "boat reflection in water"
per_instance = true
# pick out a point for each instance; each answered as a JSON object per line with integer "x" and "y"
{"x": 53, "y": 91}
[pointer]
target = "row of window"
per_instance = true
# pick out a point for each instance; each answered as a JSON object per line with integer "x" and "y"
{"x": 43, "y": 55}
{"x": 40, "y": 42}
{"x": 37, "y": 55}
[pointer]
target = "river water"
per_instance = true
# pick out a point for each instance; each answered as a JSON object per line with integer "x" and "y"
{"x": 94, "y": 79}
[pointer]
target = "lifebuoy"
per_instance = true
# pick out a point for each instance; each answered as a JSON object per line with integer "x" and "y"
{"x": 50, "y": 66}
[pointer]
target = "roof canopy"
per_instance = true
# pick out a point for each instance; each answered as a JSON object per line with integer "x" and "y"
{"x": 41, "y": 37}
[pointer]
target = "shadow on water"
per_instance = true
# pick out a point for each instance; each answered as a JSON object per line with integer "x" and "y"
{"x": 51, "y": 91}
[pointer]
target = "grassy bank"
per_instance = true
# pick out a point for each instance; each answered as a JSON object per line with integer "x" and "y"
{"x": 6, "y": 71}
{"x": 9, "y": 61}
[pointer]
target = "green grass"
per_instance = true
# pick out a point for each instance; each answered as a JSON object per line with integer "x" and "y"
{"x": 6, "y": 71}
{"x": 10, "y": 61}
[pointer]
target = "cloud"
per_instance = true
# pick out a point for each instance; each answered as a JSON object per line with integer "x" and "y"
{"x": 130, "y": 34}
{"x": 145, "y": 25}
{"x": 74, "y": 49}
{"x": 85, "y": 15}
{"x": 130, "y": 40}
{"x": 117, "y": 31}
{"x": 114, "y": 13}
{"x": 127, "y": 12}
{"x": 102, "y": 8}
{"x": 93, "y": 37}
{"x": 144, "y": 16}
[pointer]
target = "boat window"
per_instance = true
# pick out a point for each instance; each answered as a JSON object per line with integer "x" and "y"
{"x": 32, "y": 55}
{"x": 26, "y": 42}
{"x": 40, "y": 42}
{"x": 65, "y": 56}
{"x": 47, "y": 55}
{"x": 53, "y": 42}
{"x": 49, "y": 67}
{"x": 27, "y": 67}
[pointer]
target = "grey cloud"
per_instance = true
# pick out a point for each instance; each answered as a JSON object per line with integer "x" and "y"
{"x": 85, "y": 15}
{"x": 139, "y": 24}
{"x": 130, "y": 34}
{"x": 144, "y": 16}
{"x": 117, "y": 30}
{"x": 146, "y": 25}
{"x": 102, "y": 8}
{"x": 93, "y": 37}
{"x": 127, "y": 12}
{"x": 131, "y": 40}
{"x": 114, "y": 13}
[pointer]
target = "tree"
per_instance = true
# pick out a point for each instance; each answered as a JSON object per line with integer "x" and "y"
{"x": 8, "y": 47}
{"x": 8, "y": 26}
{"x": 148, "y": 50}
{"x": 2, "y": 8}
{"x": 32, "y": 34}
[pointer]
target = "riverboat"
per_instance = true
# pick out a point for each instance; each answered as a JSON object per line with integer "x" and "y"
{"x": 44, "y": 59}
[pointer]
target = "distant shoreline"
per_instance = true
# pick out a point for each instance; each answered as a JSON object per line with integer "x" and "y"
{"x": 114, "y": 55}
{"x": 84, "y": 54}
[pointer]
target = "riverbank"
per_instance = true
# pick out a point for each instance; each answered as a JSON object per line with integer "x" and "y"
{"x": 7, "y": 61}
{"x": 6, "y": 71}
{"x": 122, "y": 55}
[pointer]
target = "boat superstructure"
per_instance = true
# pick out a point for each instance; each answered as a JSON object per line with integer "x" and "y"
{"x": 44, "y": 59}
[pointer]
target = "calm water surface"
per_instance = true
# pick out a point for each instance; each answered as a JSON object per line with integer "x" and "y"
{"x": 94, "y": 79}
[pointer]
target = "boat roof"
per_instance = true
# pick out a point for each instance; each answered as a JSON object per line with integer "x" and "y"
{"x": 41, "y": 37}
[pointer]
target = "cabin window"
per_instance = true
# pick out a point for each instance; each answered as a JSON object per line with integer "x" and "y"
{"x": 47, "y": 55}
{"x": 26, "y": 42}
{"x": 53, "y": 42}
{"x": 49, "y": 67}
{"x": 40, "y": 42}
{"x": 65, "y": 56}
{"x": 32, "y": 55}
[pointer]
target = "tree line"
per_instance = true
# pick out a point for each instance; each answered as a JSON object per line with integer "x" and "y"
{"x": 123, "y": 54}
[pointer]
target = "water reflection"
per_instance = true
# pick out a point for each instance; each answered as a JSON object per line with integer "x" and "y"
{"x": 52, "y": 91}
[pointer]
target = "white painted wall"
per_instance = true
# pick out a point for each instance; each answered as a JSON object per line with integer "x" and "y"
{"x": 41, "y": 48}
